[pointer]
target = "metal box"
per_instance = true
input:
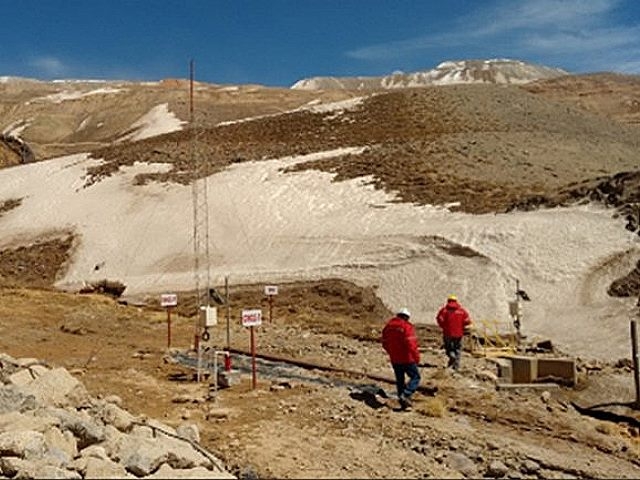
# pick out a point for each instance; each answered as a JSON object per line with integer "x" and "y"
{"x": 208, "y": 316}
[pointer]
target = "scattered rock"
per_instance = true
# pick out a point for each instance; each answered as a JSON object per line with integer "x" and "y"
{"x": 487, "y": 376}
{"x": 462, "y": 463}
{"x": 218, "y": 413}
{"x": 182, "y": 398}
{"x": 497, "y": 469}
{"x": 529, "y": 466}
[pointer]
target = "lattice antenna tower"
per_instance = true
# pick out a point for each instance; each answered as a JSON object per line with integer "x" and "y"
{"x": 200, "y": 169}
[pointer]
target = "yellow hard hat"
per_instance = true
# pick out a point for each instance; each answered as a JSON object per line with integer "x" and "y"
{"x": 452, "y": 296}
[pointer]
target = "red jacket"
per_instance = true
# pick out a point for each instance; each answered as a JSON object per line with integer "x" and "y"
{"x": 400, "y": 341}
{"x": 452, "y": 319}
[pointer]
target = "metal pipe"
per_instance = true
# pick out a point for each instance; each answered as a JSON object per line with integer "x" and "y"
{"x": 426, "y": 389}
{"x": 226, "y": 299}
{"x": 636, "y": 361}
{"x": 215, "y": 369}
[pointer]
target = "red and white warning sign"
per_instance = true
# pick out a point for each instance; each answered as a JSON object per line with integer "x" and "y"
{"x": 168, "y": 300}
{"x": 251, "y": 318}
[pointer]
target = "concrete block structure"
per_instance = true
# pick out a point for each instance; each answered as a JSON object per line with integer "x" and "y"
{"x": 557, "y": 368}
{"x": 533, "y": 369}
{"x": 523, "y": 369}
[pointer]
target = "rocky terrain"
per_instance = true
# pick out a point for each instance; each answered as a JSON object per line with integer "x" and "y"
{"x": 52, "y": 428}
{"x": 106, "y": 396}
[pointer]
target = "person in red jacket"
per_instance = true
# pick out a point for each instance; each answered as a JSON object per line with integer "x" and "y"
{"x": 401, "y": 343}
{"x": 453, "y": 319}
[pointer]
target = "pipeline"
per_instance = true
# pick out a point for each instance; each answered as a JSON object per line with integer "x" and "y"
{"x": 430, "y": 390}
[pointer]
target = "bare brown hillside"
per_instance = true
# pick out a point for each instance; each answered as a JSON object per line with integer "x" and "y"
{"x": 70, "y": 117}
{"x": 486, "y": 146}
{"x": 613, "y": 95}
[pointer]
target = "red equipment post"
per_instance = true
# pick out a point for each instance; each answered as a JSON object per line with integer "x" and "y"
{"x": 168, "y": 300}
{"x": 253, "y": 359}
{"x": 227, "y": 362}
{"x": 168, "y": 327}
{"x": 251, "y": 318}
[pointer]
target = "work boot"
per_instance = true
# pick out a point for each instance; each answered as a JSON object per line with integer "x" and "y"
{"x": 405, "y": 403}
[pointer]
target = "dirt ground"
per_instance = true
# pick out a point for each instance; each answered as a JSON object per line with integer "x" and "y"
{"x": 305, "y": 423}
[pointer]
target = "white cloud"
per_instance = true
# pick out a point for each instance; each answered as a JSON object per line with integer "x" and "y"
{"x": 574, "y": 33}
{"x": 49, "y": 66}
{"x": 584, "y": 40}
{"x": 539, "y": 14}
{"x": 632, "y": 66}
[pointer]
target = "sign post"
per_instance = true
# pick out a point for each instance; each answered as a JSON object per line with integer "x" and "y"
{"x": 168, "y": 300}
{"x": 251, "y": 319}
{"x": 226, "y": 299}
{"x": 270, "y": 291}
{"x": 636, "y": 361}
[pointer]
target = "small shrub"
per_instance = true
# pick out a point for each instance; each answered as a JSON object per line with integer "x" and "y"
{"x": 431, "y": 407}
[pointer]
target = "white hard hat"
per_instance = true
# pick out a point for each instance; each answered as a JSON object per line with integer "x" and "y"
{"x": 404, "y": 311}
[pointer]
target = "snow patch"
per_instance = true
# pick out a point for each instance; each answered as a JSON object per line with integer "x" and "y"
{"x": 341, "y": 105}
{"x": 74, "y": 95}
{"x": 157, "y": 121}
{"x": 305, "y": 226}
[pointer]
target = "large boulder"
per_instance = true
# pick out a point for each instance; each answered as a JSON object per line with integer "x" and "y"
{"x": 104, "y": 468}
{"x": 25, "y": 444}
{"x": 62, "y": 445}
{"x": 142, "y": 456}
{"x": 56, "y": 387}
{"x": 16, "y": 421}
{"x": 111, "y": 414}
{"x": 12, "y": 399}
{"x": 86, "y": 430}
{"x": 16, "y": 468}
{"x": 165, "y": 471}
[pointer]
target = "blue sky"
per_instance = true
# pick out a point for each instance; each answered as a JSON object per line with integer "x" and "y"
{"x": 277, "y": 42}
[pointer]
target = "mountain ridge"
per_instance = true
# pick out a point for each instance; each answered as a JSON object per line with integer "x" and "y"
{"x": 498, "y": 70}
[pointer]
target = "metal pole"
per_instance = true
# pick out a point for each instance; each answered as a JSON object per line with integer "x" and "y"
{"x": 191, "y": 74}
{"x": 196, "y": 239}
{"x": 168, "y": 327}
{"x": 636, "y": 361}
{"x": 270, "y": 308}
{"x": 518, "y": 314}
{"x": 215, "y": 374}
{"x": 226, "y": 297}
{"x": 253, "y": 359}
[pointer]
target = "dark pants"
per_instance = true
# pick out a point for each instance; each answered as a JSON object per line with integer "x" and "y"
{"x": 453, "y": 349}
{"x": 410, "y": 370}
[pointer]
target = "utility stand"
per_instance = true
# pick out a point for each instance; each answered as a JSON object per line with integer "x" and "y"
{"x": 214, "y": 374}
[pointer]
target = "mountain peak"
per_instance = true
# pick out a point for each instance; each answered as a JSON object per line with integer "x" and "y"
{"x": 497, "y": 70}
